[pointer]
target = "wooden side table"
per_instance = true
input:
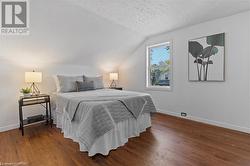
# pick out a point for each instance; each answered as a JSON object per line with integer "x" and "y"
{"x": 34, "y": 100}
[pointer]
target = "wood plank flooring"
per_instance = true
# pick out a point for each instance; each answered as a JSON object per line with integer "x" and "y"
{"x": 170, "y": 141}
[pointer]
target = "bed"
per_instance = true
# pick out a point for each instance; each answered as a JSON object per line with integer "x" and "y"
{"x": 101, "y": 120}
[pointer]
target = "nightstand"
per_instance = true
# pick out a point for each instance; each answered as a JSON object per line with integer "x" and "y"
{"x": 116, "y": 88}
{"x": 41, "y": 99}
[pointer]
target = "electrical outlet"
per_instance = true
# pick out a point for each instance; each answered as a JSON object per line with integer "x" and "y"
{"x": 184, "y": 114}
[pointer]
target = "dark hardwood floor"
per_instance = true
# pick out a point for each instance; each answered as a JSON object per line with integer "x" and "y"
{"x": 170, "y": 141}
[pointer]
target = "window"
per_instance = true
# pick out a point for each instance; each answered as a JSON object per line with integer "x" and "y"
{"x": 159, "y": 70}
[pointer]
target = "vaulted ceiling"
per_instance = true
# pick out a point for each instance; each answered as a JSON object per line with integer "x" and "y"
{"x": 103, "y": 32}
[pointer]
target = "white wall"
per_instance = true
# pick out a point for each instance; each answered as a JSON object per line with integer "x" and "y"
{"x": 65, "y": 39}
{"x": 226, "y": 103}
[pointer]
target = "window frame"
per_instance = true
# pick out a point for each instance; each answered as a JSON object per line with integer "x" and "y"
{"x": 160, "y": 88}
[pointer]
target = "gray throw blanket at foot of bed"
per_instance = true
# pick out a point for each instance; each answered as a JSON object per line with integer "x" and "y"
{"x": 98, "y": 116}
{"x": 134, "y": 104}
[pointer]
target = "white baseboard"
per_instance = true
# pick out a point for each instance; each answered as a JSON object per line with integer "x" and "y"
{"x": 9, "y": 127}
{"x": 207, "y": 121}
{"x": 14, "y": 126}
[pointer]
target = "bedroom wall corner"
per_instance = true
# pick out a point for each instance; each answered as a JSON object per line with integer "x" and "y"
{"x": 226, "y": 104}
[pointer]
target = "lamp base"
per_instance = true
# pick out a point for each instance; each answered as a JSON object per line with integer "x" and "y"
{"x": 34, "y": 89}
{"x": 113, "y": 84}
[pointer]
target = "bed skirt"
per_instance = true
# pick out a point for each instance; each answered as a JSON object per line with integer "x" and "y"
{"x": 112, "y": 140}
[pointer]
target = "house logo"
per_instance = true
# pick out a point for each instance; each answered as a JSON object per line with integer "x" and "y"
{"x": 14, "y": 17}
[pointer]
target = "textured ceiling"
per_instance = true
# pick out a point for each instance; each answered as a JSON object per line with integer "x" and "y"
{"x": 103, "y": 32}
{"x": 155, "y": 16}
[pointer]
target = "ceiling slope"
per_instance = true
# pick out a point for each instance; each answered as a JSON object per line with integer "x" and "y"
{"x": 62, "y": 32}
{"x": 101, "y": 32}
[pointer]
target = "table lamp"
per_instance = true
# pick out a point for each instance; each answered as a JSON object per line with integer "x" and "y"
{"x": 33, "y": 77}
{"x": 113, "y": 77}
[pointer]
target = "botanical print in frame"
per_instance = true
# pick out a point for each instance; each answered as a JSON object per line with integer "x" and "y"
{"x": 206, "y": 58}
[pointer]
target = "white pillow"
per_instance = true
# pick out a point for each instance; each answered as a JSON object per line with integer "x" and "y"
{"x": 67, "y": 83}
{"x": 98, "y": 81}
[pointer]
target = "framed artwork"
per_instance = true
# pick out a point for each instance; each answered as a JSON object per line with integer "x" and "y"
{"x": 206, "y": 58}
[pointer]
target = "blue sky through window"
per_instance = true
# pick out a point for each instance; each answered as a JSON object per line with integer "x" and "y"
{"x": 159, "y": 54}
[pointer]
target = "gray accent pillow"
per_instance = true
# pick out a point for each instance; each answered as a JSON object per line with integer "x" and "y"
{"x": 84, "y": 86}
{"x": 98, "y": 82}
{"x": 67, "y": 83}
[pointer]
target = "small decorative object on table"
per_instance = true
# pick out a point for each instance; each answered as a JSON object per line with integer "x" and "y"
{"x": 35, "y": 100}
{"x": 113, "y": 77}
{"x": 26, "y": 92}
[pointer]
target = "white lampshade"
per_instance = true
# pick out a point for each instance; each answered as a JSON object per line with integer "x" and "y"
{"x": 31, "y": 77}
{"x": 113, "y": 76}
